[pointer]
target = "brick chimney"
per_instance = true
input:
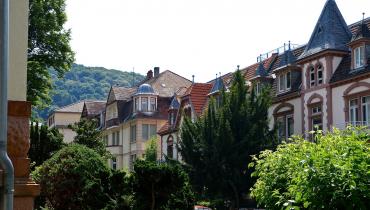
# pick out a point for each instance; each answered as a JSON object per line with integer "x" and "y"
{"x": 149, "y": 75}
{"x": 156, "y": 71}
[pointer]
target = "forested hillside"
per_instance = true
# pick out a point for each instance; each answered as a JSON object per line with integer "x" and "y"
{"x": 83, "y": 82}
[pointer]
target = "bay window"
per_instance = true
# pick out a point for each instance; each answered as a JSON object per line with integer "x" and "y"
{"x": 144, "y": 104}
{"x": 152, "y": 104}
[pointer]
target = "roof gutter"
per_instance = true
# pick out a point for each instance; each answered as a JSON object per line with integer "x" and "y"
{"x": 5, "y": 162}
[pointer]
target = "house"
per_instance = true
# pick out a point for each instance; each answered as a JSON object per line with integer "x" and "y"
{"x": 134, "y": 115}
{"x": 62, "y": 117}
{"x": 191, "y": 104}
{"x": 94, "y": 110}
{"x": 320, "y": 85}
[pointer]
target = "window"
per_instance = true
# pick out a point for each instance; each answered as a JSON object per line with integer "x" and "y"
{"x": 115, "y": 138}
{"x": 366, "y": 110}
{"x": 316, "y": 117}
{"x": 148, "y": 131}
{"x": 132, "y": 160}
{"x": 353, "y": 111}
{"x": 258, "y": 88}
{"x": 316, "y": 75}
{"x": 359, "y": 55}
{"x": 133, "y": 133}
{"x": 144, "y": 104}
{"x": 285, "y": 125}
{"x": 152, "y": 104}
{"x": 319, "y": 75}
{"x": 136, "y": 105}
{"x": 312, "y": 77}
{"x": 170, "y": 147}
{"x": 284, "y": 82}
{"x": 172, "y": 118}
{"x": 114, "y": 163}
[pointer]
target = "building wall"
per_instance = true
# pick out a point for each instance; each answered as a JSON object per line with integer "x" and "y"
{"x": 164, "y": 138}
{"x": 18, "y": 41}
{"x": 126, "y": 148}
{"x": 61, "y": 121}
{"x": 297, "y": 114}
{"x": 68, "y": 134}
{"x": 339, "y": 120}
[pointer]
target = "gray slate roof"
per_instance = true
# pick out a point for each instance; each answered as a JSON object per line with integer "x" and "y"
{"x": 331, "y": 32}
{"x": 261, "y": 71}
{"x": 218, "y": 85}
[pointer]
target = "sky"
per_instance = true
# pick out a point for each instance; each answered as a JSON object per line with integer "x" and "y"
{"x": 192, "y": 37}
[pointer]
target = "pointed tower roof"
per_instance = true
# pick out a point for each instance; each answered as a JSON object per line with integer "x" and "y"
{"x": 331, "y": 31}
{"x": 362, "y": 32}
{"x": 174, "y": 103}
{"x": 287, "y": 58}
{"x": 218, "y": 85}
{"x": 261, "y": 71}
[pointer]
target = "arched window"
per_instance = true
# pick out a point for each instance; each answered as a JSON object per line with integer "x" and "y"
{"x": 170, "y": 147}
{"x": 284, "y": 120}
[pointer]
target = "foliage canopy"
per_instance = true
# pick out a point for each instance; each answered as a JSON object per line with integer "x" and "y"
{"x": 332, "y": 173}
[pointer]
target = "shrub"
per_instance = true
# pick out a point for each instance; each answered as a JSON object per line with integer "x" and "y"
{"x": 332, "y": 173}
{"x": 73, "y": 178}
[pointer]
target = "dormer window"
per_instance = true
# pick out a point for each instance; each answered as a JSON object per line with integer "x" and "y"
{"x": 284, "y": 81}
{"x": 359, "y": 55}
{"x": 145, "y": 100}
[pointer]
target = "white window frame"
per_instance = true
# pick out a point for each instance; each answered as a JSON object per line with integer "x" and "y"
{"x": 285, "y": 82}
{"x": 114, "y": 163}
{"x": 284, "y": 120}
{"x": 144, "y": 106}
{"x": 359, "y": 55}
{"x": 365, "y": 105}
{"x": 353, "y": 111}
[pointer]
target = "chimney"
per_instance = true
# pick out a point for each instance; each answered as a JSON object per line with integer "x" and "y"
{"x": 149, "y": 75}
{"x": 156, "y": 71}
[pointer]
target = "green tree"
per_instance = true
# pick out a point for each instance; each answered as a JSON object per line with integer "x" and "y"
{"x": 44, "y": 143}
{"x": 87, "y": 134}
{"x": 217, "y": 147}
{"x": 151, "y": 149}
{"x": 48, "y": 47}
{"x": 161, "y": 187}
{"x": 74, "y": 178}
{"x": 331, "y": 173}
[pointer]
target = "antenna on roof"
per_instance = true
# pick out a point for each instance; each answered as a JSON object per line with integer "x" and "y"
{"x": 193, "y": 77}
{"x": 289, "y": 46}
{"x": 363, "y": 17}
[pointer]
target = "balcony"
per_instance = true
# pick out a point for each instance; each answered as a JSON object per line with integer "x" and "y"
{"x": 112, "y": 122}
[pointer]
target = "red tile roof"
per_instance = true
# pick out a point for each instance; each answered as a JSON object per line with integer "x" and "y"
{"x": 197, "y": 93}
{"x": 164, "y": 129}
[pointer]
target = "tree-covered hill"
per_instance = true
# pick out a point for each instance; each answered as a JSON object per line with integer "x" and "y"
{"x": 83, "y": 82}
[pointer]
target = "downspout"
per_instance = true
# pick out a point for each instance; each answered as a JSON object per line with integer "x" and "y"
{"x": 5, "y": 162}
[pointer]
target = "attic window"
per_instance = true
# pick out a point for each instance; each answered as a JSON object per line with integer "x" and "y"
{"x": 319, "y": 30}
{"x": 359, "y": 55}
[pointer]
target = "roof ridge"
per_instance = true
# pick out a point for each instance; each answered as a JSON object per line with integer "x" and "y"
{"x": 77, "y": 102}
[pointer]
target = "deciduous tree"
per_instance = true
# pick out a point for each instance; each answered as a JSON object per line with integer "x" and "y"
{"x": 48, "y": 47}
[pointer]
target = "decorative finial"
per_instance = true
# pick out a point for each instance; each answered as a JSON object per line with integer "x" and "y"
{"x": 284, "y": 47}
{"x": 216, "y": 75}
{"x": 219, "y": 73}
{"x": 193, "y": 77}
{"x": 238, "y": 67}
{"x": 289, "y": 45}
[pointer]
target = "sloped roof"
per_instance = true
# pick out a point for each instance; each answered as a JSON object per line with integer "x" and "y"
{"x": 72, "y": 108}
{"x": 174, "y": 103}
{"x": 94, "y": 107}
{"x": 123, "y": 93}
{"x": 167, "y": 83}
{"x": 198, "y": 95}
{"x": 164, "y": 129}
{"x": 261, "y": 71}
{"x": 287, "y": 58}
{"x": 362, "y": 32}
{"x": 331, "y": 31}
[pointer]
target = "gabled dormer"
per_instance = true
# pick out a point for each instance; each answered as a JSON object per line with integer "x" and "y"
{"x": 216, "y": 90}
{"x": 360, "y": 47}
{"x": 287, "y": 73}
{"x": 261, "y": 78}
{"x": 173, "y": 110}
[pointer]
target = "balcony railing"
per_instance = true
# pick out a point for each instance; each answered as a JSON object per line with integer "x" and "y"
{"x": 112, "y": 122}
